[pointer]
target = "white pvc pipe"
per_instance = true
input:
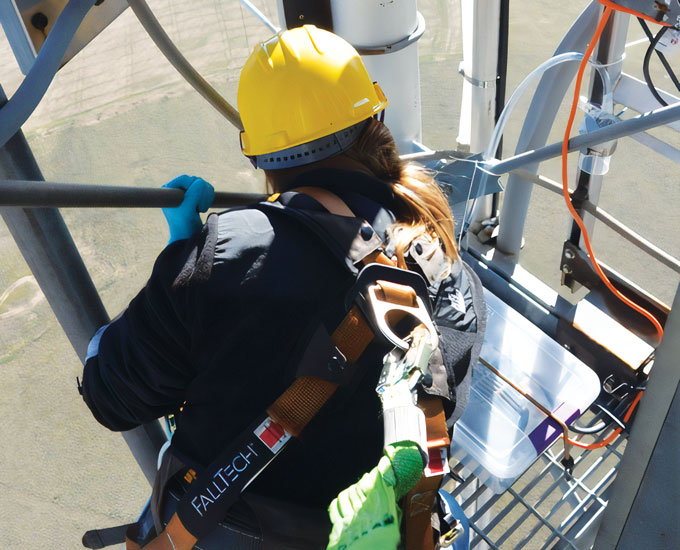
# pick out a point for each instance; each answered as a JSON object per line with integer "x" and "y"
{"x": 402, "y": 115}
{"x": 376, "y": 23}
{"x": 481, "y": 28}
{"x": 480, "y": 23}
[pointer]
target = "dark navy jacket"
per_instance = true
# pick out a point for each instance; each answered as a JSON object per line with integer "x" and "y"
{"x": 214, "y": 332}
{"x": 220, "y": 324}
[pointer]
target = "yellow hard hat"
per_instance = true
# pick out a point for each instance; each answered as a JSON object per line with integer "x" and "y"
{"x": 303, "y": 95}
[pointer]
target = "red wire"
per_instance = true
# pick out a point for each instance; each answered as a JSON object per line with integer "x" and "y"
{"x": 623, "y": 9}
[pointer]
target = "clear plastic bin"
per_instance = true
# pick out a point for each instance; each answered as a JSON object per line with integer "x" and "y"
{"x": 501, "y": 433}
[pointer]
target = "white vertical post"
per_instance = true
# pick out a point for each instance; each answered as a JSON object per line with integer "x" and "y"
{"x": 481, "y": 25}
{"x": 481, "y": 20}
{"x": 376, "y": 24}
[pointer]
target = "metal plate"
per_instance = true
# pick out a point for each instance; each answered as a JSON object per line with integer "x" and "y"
{"x": 667, "y": 11}
{"x": 27, "y": 39}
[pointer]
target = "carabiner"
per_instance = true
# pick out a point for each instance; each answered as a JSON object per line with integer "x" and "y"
{"x": 382, "y": 308}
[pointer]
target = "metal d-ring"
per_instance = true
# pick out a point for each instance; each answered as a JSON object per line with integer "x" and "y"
{"x": 381, "y": 308}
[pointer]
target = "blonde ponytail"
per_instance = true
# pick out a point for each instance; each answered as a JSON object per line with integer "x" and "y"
{"x": 422, "y": 208}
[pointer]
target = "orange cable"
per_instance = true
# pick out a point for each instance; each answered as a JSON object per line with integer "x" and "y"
{"x": 613, "y": 435}
{"x": 613, "y": 6}
{"x": 565, "y": 190}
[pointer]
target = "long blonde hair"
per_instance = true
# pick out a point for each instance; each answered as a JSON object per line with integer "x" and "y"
{"x": 422, "y": 207}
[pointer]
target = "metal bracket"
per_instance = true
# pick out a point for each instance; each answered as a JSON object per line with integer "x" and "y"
{"x": 577, "y": 270}
{"x": 391, "y": 48}
{"x": 484, "y": 84}
{"x": 308, "y": 12}
{"x": 574, "y": 272}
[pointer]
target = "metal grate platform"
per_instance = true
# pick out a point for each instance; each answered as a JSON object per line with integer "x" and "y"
{"x": 543, "y": 509}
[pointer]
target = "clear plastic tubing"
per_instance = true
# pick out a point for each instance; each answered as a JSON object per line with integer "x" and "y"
{"x": 608, "y": 102}
{"x": 24, "y": 101}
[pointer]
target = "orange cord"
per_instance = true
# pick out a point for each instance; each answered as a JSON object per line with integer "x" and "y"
{"x": 565, "y": 190}
{"x": 609, "y": 7}
{"x": 616, "y": 432}
{"x": 617, "y": 7}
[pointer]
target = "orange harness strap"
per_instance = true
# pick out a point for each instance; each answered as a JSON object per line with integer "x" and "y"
{"x": 306, "y": 395}
{"x": 296, "y": 407}
{"x": 419, "y": 502}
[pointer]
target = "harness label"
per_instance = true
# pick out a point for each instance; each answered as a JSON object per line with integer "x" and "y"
{"x": 438, "y": 462}
{"x": 272, "y": 435}
{"x": 223, "y": 479}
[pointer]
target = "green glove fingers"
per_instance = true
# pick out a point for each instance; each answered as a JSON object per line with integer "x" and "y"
{"x": 407, "y": 465}
{"x": 365, "y": 516}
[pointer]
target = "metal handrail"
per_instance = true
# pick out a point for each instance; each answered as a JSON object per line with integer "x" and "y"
{"x": 640, "y": 123}
{"x": 41, "y": 194}
{"x": 261, "y": 16}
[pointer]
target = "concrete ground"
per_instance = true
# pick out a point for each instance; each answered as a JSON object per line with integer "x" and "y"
{"x": 119, "y": 114}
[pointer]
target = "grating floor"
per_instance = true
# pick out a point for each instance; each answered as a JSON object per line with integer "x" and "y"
{"x": 544, "y": 510}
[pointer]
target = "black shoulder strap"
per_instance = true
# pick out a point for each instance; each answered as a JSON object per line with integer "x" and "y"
{"x": 350, "y": 240}
{"x": 465, "y": 368}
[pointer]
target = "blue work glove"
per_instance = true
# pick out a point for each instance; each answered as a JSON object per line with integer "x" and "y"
{"x": 184, "y": 220}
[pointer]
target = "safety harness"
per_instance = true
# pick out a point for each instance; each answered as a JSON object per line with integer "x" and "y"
{"x": 381, "y": 297}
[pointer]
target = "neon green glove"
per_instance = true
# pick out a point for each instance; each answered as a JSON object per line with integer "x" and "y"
{"x": 365, "y": 516}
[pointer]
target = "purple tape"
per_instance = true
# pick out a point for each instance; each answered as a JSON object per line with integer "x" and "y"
{"x": 549, "y": 430}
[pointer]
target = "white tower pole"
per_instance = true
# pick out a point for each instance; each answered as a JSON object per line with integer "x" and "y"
{"x": 383, "y": 29}
{"x": 481, "y": 23}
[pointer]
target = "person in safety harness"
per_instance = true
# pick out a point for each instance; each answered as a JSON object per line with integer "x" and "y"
{"x": 264, "y": 321}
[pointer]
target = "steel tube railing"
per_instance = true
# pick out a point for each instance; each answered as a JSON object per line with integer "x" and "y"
{"x": 48, "y": 248}
{"x": 14, "y": 113}
{"x": 261, "y": 16}
{"x": 646, "y": 121}
{"x": 545, "y": 105}
{"x": 32, "y": 194}
{"x": 175, "y": 57}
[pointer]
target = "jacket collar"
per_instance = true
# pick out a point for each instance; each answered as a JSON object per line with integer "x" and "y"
{"x": 341, "y": 182}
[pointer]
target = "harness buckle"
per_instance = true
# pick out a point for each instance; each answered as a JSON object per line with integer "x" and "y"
{"x": 448, "y": 538}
